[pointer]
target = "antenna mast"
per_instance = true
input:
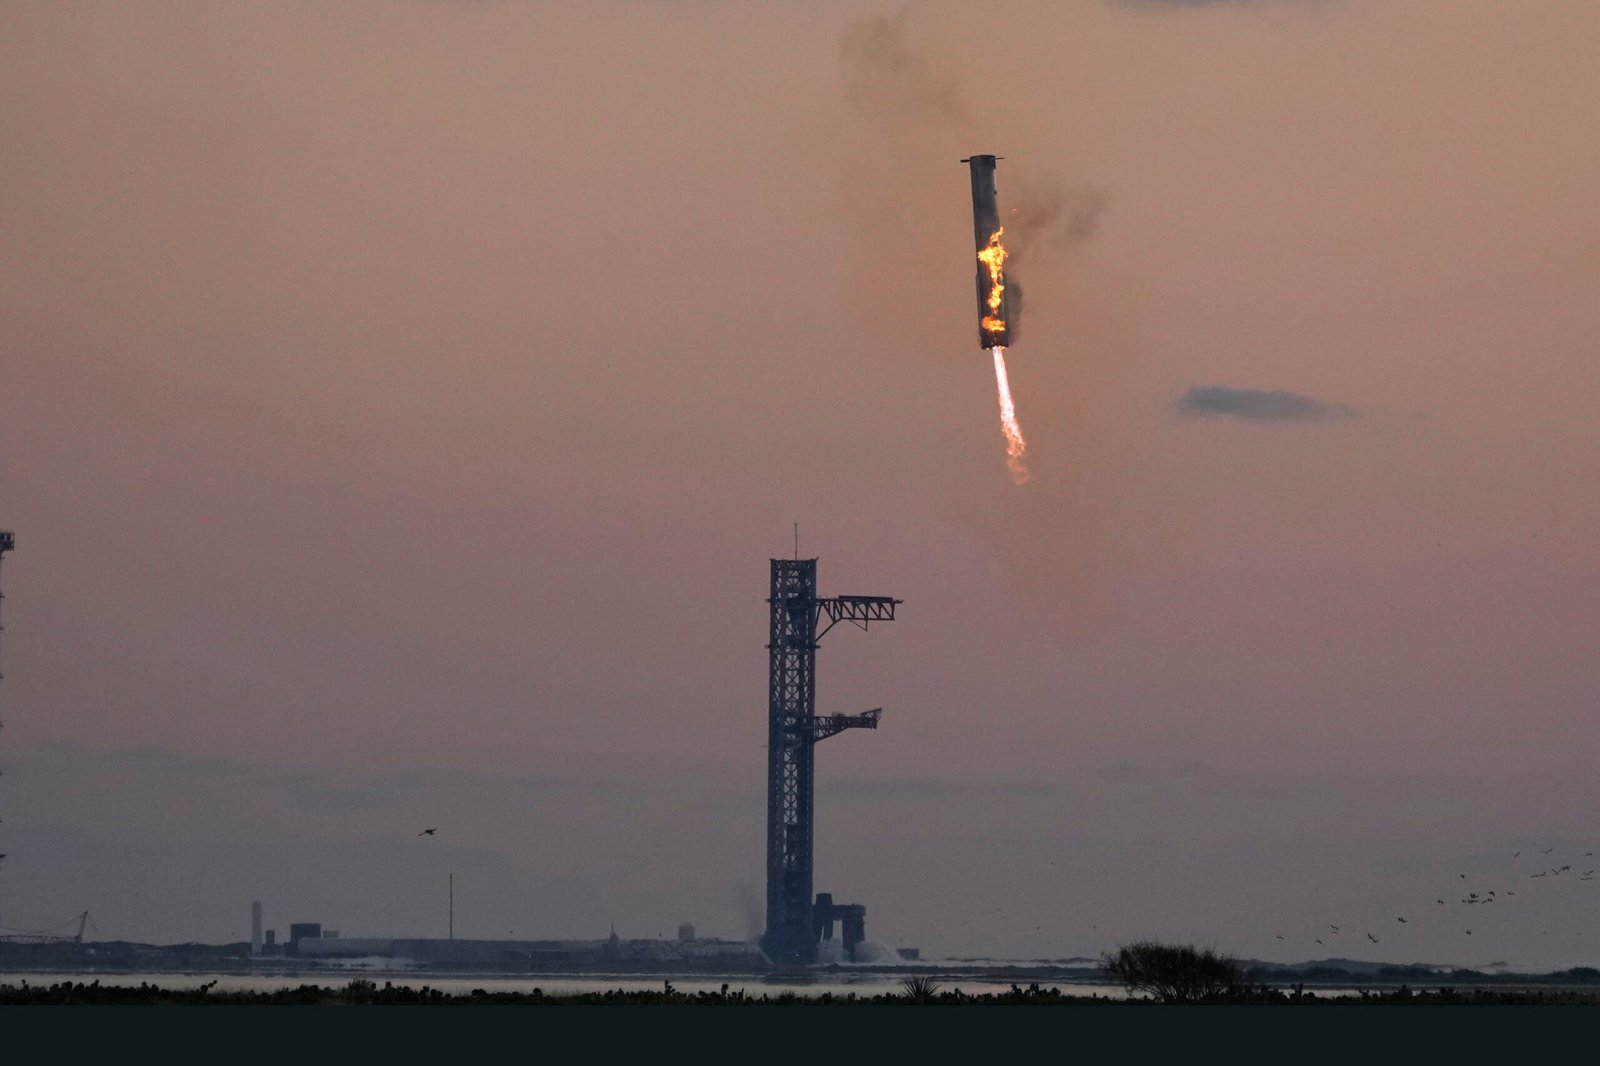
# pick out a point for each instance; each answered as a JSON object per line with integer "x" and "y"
{"x": 8, "y": 542}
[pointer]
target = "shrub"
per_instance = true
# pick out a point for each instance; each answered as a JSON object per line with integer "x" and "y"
{"x": 919, "y": 989}
{"x": 1177, "y": 973}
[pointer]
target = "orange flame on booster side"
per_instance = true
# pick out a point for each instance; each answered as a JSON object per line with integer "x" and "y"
{"x": 994, "y": 257}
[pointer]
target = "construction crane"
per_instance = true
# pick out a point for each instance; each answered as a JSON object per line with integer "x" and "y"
{"x": 49, "y": 938}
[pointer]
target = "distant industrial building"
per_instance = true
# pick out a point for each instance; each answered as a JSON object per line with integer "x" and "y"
{"x": 532, "y": 954}
{"x": 299, "y": 931}
{"x": 310, "y": 942}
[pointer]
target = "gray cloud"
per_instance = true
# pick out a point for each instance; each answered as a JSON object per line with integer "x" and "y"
{"x": 1259, "y": 405}
{"x": 1129, "y": 770}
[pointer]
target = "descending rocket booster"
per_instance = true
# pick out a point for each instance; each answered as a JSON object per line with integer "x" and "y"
{"x": 992, "y": 329}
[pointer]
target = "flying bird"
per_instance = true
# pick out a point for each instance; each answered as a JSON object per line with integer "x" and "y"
{"x": 1372, "y": 938}
{"x": 1546, "y": 851}
{"x": 1514, "y": 854}
{"x": 428, "y": 832}
{"x": 1440, "y": 902}
{"x": 1335, "y": 928}
{"x": 1469, "y": 932}
{"x": 1317, "y": 942}
{"x": 1278, "y": 937}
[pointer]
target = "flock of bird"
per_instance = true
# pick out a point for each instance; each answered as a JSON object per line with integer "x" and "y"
{"x": 1492, "y": 895}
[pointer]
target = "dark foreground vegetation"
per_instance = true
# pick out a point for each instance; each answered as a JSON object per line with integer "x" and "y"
{"x": 1181, "y": 973}
{"x": 1178, "y": 973}
{"x": 915, "y": 991}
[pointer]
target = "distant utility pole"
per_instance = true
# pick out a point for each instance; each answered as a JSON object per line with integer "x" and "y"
{"x": 8, "y": 541}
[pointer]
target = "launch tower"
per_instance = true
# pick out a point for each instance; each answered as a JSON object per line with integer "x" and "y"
{"x": 794, "y": 922}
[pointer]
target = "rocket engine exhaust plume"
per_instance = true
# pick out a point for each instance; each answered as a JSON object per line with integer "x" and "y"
{"x": 1016, "y": 447}
{"x": 993, "y": 333}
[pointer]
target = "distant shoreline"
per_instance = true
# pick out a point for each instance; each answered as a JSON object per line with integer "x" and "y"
{"x": 362, "y": 992}
{"x": 84, "y": 963}
{"x": 174, "y": 961}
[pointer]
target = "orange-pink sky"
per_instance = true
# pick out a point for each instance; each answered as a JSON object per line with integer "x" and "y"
{"x": 399, "y": 404}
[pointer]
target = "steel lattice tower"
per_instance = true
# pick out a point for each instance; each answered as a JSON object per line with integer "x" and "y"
{"x": 793, "y": 730}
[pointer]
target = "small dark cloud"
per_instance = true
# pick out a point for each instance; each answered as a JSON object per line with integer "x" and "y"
{"x": 1120, "y": 771}
{"x": 1129, "y": 770}
{"x": 1259, "y": 405}
{"x": 1178, "y": 4}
